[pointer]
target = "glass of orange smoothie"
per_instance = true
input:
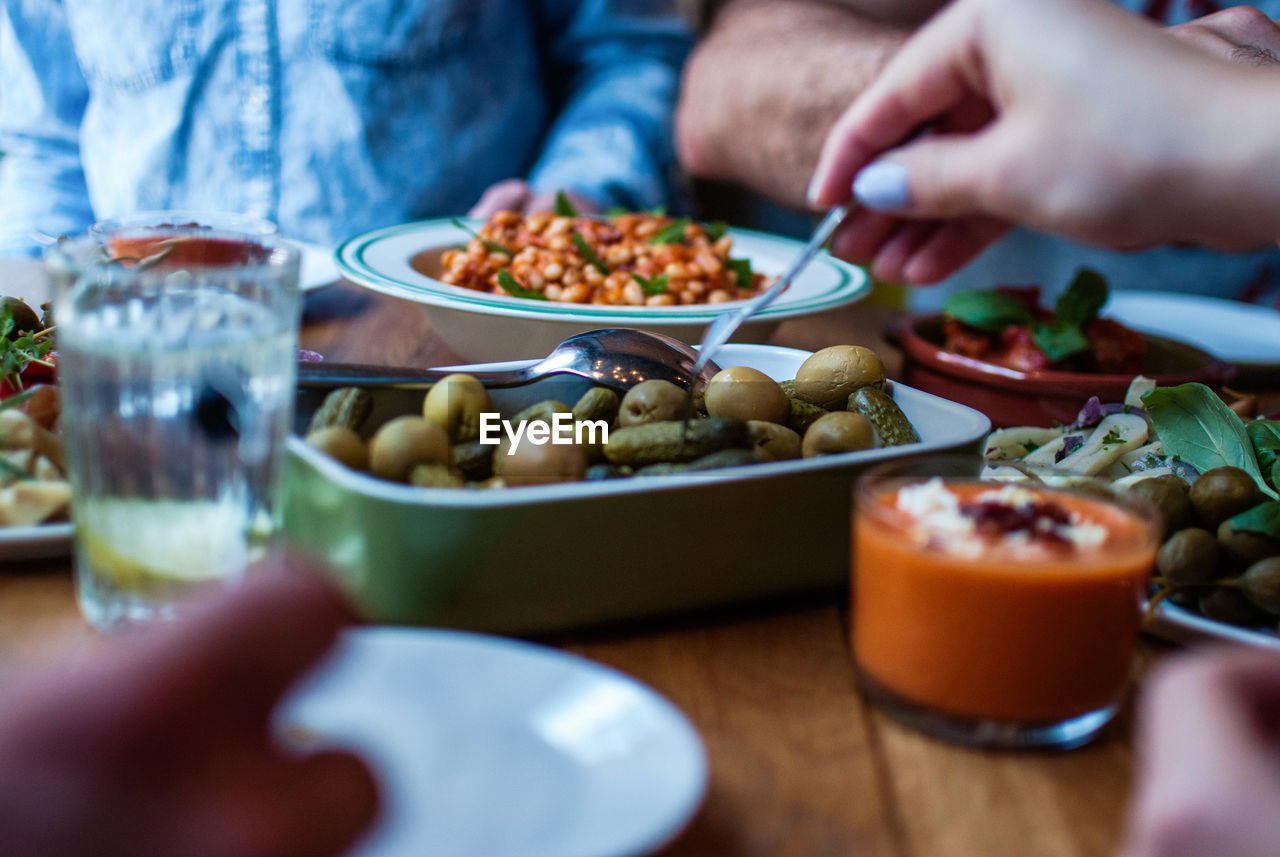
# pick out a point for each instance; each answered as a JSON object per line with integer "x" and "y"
{"x": 996, "y": 614}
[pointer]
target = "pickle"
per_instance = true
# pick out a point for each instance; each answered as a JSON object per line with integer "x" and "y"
{"x": 473, "y": 459}
{"x": 803, "y": 414}
{"x": 347, "y": 407}
{"x": 435, "y": 476}
{"x": 543, "y": 411}
{"x": 598, "y": 403}
{"x": 891, "y": 423}
{"x": 732, "y": 457}
{"x": 669, "y": 442}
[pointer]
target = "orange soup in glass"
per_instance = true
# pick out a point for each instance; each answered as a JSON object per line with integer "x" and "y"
{"x": 995, "y": 613}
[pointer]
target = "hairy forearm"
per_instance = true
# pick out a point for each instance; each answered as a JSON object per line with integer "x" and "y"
{"x": 767, "y": 82}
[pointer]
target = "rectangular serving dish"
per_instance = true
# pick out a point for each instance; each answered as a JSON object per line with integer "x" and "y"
{"x": 537, "y": 559}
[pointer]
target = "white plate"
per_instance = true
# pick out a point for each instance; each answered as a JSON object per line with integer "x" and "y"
{"x": 479, "y": 326}
{"x": 317, "y": 266}
{"x": 41, "y": 541}
{"x": 487, "y": 747}
{"x": 1177, "y": 625}
{"x": 1243, "y": 334}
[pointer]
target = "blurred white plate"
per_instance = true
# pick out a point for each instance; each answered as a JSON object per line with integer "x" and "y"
{"x": 1243, "y": 334}
{"x": 317, "y": 268}
{"x": 41, "y": 541}
{"x": 1177, "y": 625}
{"x": 487, "y": 746}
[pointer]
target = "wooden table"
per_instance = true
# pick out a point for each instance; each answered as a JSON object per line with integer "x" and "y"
{"x": 801, "y": 765}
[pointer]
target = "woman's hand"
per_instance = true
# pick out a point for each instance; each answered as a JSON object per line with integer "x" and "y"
{"x": 1068, "y": 116}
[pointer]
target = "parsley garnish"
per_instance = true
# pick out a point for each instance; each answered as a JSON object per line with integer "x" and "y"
{"x": 655, "y": 285}
{"x": 1112, "y": 437}
{"x": 513, "y": 288}
{"x": 616, "y": 211}
{"x": 588, "y": 255}
{"x": 673, "y": 233}
{"x": 564, "y": 207}
{"x": 491, "y": 246}
{"x": 18, "y": 353}
{"x": 716, "y": 230}
{"x": 742, "y": 267}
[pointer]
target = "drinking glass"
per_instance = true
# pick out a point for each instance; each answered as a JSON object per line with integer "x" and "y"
{"x": 177, "y": 375}
{"x": 996, "y": 614}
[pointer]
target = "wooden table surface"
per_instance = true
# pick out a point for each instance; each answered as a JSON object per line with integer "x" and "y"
{"x": 800, "y": 764}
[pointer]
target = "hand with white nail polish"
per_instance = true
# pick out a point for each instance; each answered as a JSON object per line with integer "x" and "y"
{"x": 1068, "y": 116}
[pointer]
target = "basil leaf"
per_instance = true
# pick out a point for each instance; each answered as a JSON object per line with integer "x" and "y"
{"x": 654, "y": 285}
{"x": 616, "y": 211}
{"x": 1195, "y": 425}
{"x": 1082, "y": 300}
{"x": 588, "y": 255}
{"x": 513, "y": 288}
{"x": 716, "y": 230}
{"x": 658, "y": 211}
{"x": 1265, "y": 437}
{"x": 986, "y": 310}
{"x": 1264, "y": 519}
{"x": 564, "y": 207}
{"x": 746, "y": 276}
{"x": 673, "y": 233}
{"x": 1059, "y": 340}
{"x": 491, "y": 246}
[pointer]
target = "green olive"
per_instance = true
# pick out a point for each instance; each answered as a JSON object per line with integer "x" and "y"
{"x": 1222, "y": 492}
{"x": 341, "y": 444}
{"x": 838, "y": 431}
{"x": 830, "y": 376}
{"x": 744, "y": 393}
{"x": 652, "y": 401}
{"x": 1244, "y": 546}
{"x": 1260, "y": 583}
{"x": 777, "y": 443}
{"x": 1189, "y": 556}
{"x": 403, "y": 442}
{"x": 1169, "y": 495}
{"x": 455, "y": 404}
{"x": 540, "y": 463}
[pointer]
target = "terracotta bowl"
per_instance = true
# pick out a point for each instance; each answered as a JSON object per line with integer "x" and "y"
{"x": 1013, "y": 398}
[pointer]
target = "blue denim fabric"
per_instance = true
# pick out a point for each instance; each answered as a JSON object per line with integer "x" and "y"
{"x": 328, "y": 116}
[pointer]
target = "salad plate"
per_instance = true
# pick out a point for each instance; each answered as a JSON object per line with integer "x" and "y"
{"x": 485, "y": 746}
{"x": 38, "y": 541}
{"x": 480, "y": 326}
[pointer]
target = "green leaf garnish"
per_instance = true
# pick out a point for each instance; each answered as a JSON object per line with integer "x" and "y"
{"x": 1263, "y": 518}
{"x": 616, "y": 211}
{"x": 588, "y": 255}
{"x": 673, "y": 233}
{"x": 742, "y": 267}
{"x": 986, "y": 310}
{"x": 1265, "y": 436}
{"x": 564, "y": 207}
{"x": 655, "y": 285}
{"x": 658, "y": 211}
{"x": 20, "y": 352}
{"x": 1083, "y": 299}
{"x": 716, "y": 230}
{"x": 491, "y": 246}
{"x": 512, "y": 287}
{"x": 1059, "y": 340}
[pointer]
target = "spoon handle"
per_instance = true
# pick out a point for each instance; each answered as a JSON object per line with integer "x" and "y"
{"x": 330, "y": 375}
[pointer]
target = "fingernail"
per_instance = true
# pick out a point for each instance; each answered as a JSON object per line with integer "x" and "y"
{"x": 812, "y": 193}
{"x": 883, "y": 186}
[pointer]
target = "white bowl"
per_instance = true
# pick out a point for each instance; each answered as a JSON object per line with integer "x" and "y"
{"x": 482, "y": 327}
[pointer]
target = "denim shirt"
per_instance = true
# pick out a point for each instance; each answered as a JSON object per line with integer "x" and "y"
{"x": 328, "y": 116}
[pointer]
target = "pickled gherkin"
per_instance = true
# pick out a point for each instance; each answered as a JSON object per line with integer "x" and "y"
{"x": 671, "y": 441}
{"x": 345, "y": 407}
{"x": 891, "y": 423}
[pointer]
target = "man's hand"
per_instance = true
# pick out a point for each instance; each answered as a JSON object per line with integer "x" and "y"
{"x": 516, "y": 195}
{"x": 1209, "y": 745}
{"x": 157, "y": 745}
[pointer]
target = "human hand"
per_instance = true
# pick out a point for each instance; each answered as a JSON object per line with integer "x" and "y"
{"x": 158, "y": 744}
{"x": 1241, "y": 34}
{"x": 1088, "y": 136}
{"x": 1209, "y": 757}
{"x": 516, "y": 195}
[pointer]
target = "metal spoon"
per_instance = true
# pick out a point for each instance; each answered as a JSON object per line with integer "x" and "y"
{"x": 617, "y": 358}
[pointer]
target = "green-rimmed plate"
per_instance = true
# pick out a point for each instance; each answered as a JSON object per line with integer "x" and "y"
{"x": 480, "y": 326}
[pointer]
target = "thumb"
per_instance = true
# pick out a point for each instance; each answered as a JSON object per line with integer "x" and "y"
{"x": 943, "y": 176}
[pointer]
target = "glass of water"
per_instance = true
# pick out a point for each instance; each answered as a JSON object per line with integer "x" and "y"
{"x": 177, "y": 372}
